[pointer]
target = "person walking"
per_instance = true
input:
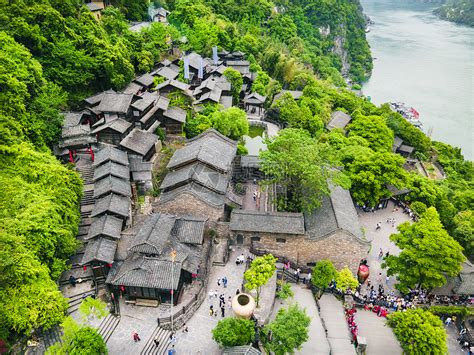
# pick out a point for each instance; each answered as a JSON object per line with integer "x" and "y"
{"x": 379, "y": 278}
{"x": 185, "y": 328}
{"x": 156, "y": 341}
{"x": 211, "y": 295}
{"x": 380, "y": 253}
{"x": 211, "y": 310}
{"x": 308, "y": 278}
{"x": 448, "y": 321}
{"x": 387, "y": 280}
{"x": 223, "y": 311}
{"x": 135, "y": 336}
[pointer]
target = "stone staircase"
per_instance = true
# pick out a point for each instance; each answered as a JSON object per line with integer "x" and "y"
{"x": 163, "y": 336}
{"x": 75, "y": 301}
{"x": 108, "y": 325}
{"x": 51, "y": 336}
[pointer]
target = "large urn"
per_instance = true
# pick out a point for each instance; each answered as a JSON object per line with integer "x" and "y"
{"x": 363, "y": 273}
{"x": 243, "y": 305}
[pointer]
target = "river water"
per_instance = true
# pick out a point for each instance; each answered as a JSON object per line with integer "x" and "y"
{"x": 427, "y": 63}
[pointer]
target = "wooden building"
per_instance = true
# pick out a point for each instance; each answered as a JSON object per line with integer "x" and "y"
{"x": 141, "y": 143}
{"x": 173, "y": 120}
{"x": 111, "y": 129}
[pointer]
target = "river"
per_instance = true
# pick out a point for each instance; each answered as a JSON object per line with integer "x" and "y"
{"x": 427, "y": 63}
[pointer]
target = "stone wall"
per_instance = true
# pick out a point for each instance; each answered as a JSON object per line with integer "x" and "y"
{"x": 342, "y": 248}
{"x": 188, "y": 204}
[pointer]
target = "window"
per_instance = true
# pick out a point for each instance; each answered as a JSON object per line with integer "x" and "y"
{"x": 311, "y": 264}
{"x": 255, "y": 239}
{"x": 281, "y": 240}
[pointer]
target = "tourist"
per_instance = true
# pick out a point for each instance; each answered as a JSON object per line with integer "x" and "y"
{"x": 172, "y": 351}
{"x": 380, "y": 253}
{"x": 185, "y": 328}
{"x": 448, "y": 321}
{"x": 219, "y": 281}
{"x": 378, "y": 226}
{"x": 308, "y": 277}
{"x": 387, "y": 280}
{"x": 237, "y": 291}
{"x": 156, "y": 341}
{"x": 135, "y": 336}
{"x": 223, "y": 311}
{"x": 379, "y": 278}
{"x": 72, "y": 280}
{"x": 387, "y": 254}
{"x": 224, "y": 281}
{"x": 229, "y": 302}
{"x": 211, "y": 310}
{"x": 221, "y": 300}
{"x": 393, "y": 222}
{"x": 211, "y": 295}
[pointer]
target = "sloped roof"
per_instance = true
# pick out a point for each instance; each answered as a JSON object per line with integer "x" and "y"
{"x": 337, "y": 212}
{"x": 95, "y": 99}
{"x": 145, "y": 101}
{"x": 95, "y": 6}
{"x": 199, "y": 173}
{"x": 267, "y": 222}
{"x": 405, "y": 149}
{"x": 194, "y": 60}
{"x": 132, "y": 88}
{"x": 397, "y": 142}
{"x": 189, "y": 230}
{"x": 139, "y": 141}
{"x": 137, "y": 164}
{"x": 113, "y": 169}
{"x": 109, "y": 153}
{"x": 254, "y": 98}
{"x": 294, "y": 93}
{"x": 226, "y": 101}
{"x": 145, "y": 80}
{"x": 175, "y": 83}
{"x": 175, "y": 113}
{"x": 100, "y": 249}
{"x": 108, "y": 226}
{"x": 166, "y": 73}
{"x": 210, "y": 147}
{"x": 112, "y": 203}
{"x": 338, "y": 119}
{"x": 142, "y": 271}
{"x": 76, "y": 131}
{"x": 112, "y": 184}
{"x": 202, "y": 193}
{"x": 116, "y": 124}
{"x": 115, "y": 102}
{"x": 72, "y": 118}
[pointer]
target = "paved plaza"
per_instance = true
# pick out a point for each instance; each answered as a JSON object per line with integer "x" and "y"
{"x": 381, "y": 239}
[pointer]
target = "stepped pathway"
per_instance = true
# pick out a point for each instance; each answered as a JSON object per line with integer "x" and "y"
{"x": 163, "y": 336}
{"x": 332, "y": 315}
{"x": 379, "y": 336}
{"x": 108, "y": 325}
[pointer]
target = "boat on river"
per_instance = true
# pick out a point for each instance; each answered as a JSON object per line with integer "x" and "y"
{"x": 409, "y": 113}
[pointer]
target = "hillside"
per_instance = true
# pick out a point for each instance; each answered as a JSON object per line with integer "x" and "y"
{"x": 459, "y": 11}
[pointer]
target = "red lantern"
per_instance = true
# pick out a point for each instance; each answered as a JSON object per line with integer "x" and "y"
{"x": 84, "y": 268}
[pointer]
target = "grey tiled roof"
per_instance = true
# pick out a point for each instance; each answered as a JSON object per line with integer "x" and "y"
{"x": 100, "y": 249}
{"x": 255, "y": 98}
{"x": 405, "y": 149}
{"x": 267, "y": 222}
{"x": 83, "y": 140}
{"x": 167, "y": 73}
{"x": 147, "y": 116}
{"x": 145, "y": 101}
{"x": 95, "y": 6}
{"x": 194, "y": 60}
{"x": 115, "y": 102}
{"x": 199, "y": 173}
{"x": 72, "y": 118}
{"x": 112, "y": 203}
{"x": 397, "y": 142}
{"x": 241, "y": 350}
{"x": 76, "y": 131}
{"x": 339, "y": 119}
{"x": 112, "y": 184}
{"x": 214, "y": 95}
{"x": 141, "y": 271}
{"x": 137, "y": 164}
{"x": 161, "y": 233}
{"x": 132, "y": 88}
{"x": 210, "y": 147}
{"x": 142, "y": 176}
{"x": 242, "y": 66}
{"x": 466, "y": 286}
{"x": 176, "y": 114}
{"x": 111, "y": 168}
{"x": 202, "y": 193}
{"x": 294, "y": 93}
{"x": 109, "y": 226}
{"x": 95, "y": 99}
{"x": 145, "y": 80}
{"x": 337, "y": 212}
{"x": 226, "y": 101}
{"x": 116, "y": 124}
{"x": 109, "y": 153}
{"x": 139, "y": 141}
{"x": 163, "y": 103}
{"x": 177, "y": 84}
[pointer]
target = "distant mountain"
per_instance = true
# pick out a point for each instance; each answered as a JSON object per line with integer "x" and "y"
{"x": 460, "y": 11}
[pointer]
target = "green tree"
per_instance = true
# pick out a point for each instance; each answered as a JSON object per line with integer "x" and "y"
{"x": 464, "y": 231}
{"x": 288, "y": 331}
{"x": 234, "y": 332}
{"x": 300, "y": 165}
{"x": 428, "y": 254}
{"x": 92, "y": 307}
{"x": 419, "y": 332}
{"x": 236, "y": 81}
{"x": 374, "y": 130}
{"x": 285, "y": 290}
{"x": 323, "y": 273}
{"x": 231, "y": 122}
{"x": 345, "y": 279}
{"x": 261, "y": 270}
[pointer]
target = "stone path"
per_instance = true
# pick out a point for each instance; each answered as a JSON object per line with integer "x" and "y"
{"x": 379, "y": 336}
{"x": 332, "y": 314}
{"x": 381, "y": 239}
{"x": 199, "y": 338}
{"x": 453, "y": 346}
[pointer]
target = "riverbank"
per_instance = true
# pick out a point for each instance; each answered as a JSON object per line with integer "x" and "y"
{"x": 426, "y": 63}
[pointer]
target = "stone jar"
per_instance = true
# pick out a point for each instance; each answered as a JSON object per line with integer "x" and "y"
{"x": 243, "y": 305}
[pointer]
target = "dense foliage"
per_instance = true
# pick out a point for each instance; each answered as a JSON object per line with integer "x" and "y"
{"x": 428, "y": 254}
{"x": 39, "y": 197}
{"x": 288, "y": 331}
{"x": 419, "y": 332}
{"x": 345, "y": 279}
{"x": 323, "y": 273}
{"x": 234, "y": 332}
{"x": 460, "y": 11}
